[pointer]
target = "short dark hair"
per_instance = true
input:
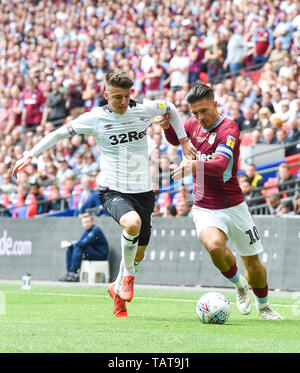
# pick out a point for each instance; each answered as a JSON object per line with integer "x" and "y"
{"x": 200, "y": 92}
{"x": 118, "y": 78}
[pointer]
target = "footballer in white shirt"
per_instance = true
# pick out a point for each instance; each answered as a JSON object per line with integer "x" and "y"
{"x": 125, "y": 186}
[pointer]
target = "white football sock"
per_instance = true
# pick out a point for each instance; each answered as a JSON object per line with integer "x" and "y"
{"x": 129, "y": 246}
{"x": 119, "y": 278}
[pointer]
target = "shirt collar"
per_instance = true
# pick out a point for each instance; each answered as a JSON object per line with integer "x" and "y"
{"x": 215, "y": 125}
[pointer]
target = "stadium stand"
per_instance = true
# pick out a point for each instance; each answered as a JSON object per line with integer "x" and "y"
{"x": 62, "y": 49}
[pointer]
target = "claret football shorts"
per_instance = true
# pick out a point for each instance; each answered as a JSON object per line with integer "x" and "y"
{"x": 236, "y": 222}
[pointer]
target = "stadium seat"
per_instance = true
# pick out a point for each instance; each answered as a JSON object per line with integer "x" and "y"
{"x": 90, "y": 271}
{"x": 293, "y": 159}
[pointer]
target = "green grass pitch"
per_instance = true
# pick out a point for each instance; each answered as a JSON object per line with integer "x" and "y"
{"x": 75, "y": 318}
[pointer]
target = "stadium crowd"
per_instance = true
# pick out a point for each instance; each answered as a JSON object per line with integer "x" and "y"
{"x": 53, "y": 58}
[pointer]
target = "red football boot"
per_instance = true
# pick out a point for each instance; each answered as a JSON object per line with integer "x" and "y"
{"x": 126, "y": 289}
{"x": 119, "y": 304}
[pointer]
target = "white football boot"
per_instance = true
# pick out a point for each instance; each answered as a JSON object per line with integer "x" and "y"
{"x": 243, "y": 298}
{"x": 268, "y": 313}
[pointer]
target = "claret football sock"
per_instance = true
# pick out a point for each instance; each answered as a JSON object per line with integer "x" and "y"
{"x": 261, "y": 297}
{"x": 235, "y": 277}
{"x": 129, "y": 246}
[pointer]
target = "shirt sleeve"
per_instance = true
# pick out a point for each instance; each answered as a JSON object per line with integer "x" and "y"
{"x": 85, "y": 124}
{"x": 171, "y": 134}
{"x": 224, "y": 152}
{"x": 160, "y": 107}
{"x": 228, "y": 142}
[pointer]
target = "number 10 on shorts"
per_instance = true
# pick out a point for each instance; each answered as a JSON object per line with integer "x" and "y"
{"x": 253, "y": 235}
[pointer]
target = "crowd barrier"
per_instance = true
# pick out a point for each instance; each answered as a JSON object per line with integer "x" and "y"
{"x": 174, "y": 255}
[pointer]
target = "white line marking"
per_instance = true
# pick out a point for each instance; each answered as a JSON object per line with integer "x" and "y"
{"x": 137, "y": 298}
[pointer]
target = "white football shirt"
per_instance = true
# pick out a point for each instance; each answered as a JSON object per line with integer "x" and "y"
{"x": 124, "y": 160}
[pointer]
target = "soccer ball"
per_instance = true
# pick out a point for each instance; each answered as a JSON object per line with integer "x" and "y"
{"x": 213, "y": 308}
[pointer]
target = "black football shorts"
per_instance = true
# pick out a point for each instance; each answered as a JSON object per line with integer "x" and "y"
{"x": 117, "y": 204}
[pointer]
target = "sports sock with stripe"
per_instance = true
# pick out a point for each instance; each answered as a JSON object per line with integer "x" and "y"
{"x": 129, "y": 246}
{"x": 261, "y": 297}
{"x": 235, "y": 277}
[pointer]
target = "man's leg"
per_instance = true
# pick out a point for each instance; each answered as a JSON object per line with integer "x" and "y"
{"x": 131, "y": 224}
{"x": 256, "y": 276}
{"x": 76, "y": 262}
{"x": 69, "y": 253}
{"x": 214, "y": 240}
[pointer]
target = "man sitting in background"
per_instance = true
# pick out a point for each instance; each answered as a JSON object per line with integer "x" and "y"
{"x": 92, "y": 245}
{"x": 88, "y": 198}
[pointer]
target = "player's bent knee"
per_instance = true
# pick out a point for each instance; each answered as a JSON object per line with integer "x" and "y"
{"x": 214, "y": 246}
{"x": 131, "y": 222}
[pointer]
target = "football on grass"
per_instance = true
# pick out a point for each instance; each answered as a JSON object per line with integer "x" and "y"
{"x": 213, "y": 308}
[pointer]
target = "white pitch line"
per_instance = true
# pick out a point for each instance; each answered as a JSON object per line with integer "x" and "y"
{"x": 139, "y": 298}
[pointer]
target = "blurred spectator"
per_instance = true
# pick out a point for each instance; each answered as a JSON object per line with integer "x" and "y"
{"x": 268, "y": 136}
{"x": 252, "y": 198}
{"x": 153, "y": 83}
{"x": 43, "y": 205}
{"x": 284, "y": 30}
{"x": 263, "y": 41}
{"x": 165, "y": 179}
{"x": 287, "y": 209}
{"x": 286, "y": 69}
{"x": 214, "y": 57}
{"x": 287, "y": 183}
{"x": 274, "y": 204}
{"x": 277, "y": 55}
{"x": 6, "y": 185}
{"x": 293, "y": 135}
{"x": 255, "y": 178}
{"x": 88, "y": 198}
{"x": 178, "y": 68}
{"x": 55, "y": 107}
{"x": 195, "y": 54}
{"x": 7, "y": 117}
{"x": 256, "y": 137}
{"x": 170, "y": 211}
{"x": 33, "y": 105}
{"x": 248, "y": 122}
{"x": 156, "y": 211}
{"x": 63, "y": 169}
{"x": 183, "y": 207}
{"x": 237, "y": 49}
{"x": 56, "y": 202}
{"x": 90, "y": 166}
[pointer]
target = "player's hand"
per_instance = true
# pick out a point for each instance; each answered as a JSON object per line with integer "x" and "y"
{"x": 163, "y": 121}
{"x": 188, "y": 148}
{"x": 21, "y": 163}
{"x": 65, "y": 243}
{"x": 186, "y": 168}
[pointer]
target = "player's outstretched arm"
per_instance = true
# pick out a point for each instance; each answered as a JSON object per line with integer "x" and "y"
{"x": 46, "y": 143}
